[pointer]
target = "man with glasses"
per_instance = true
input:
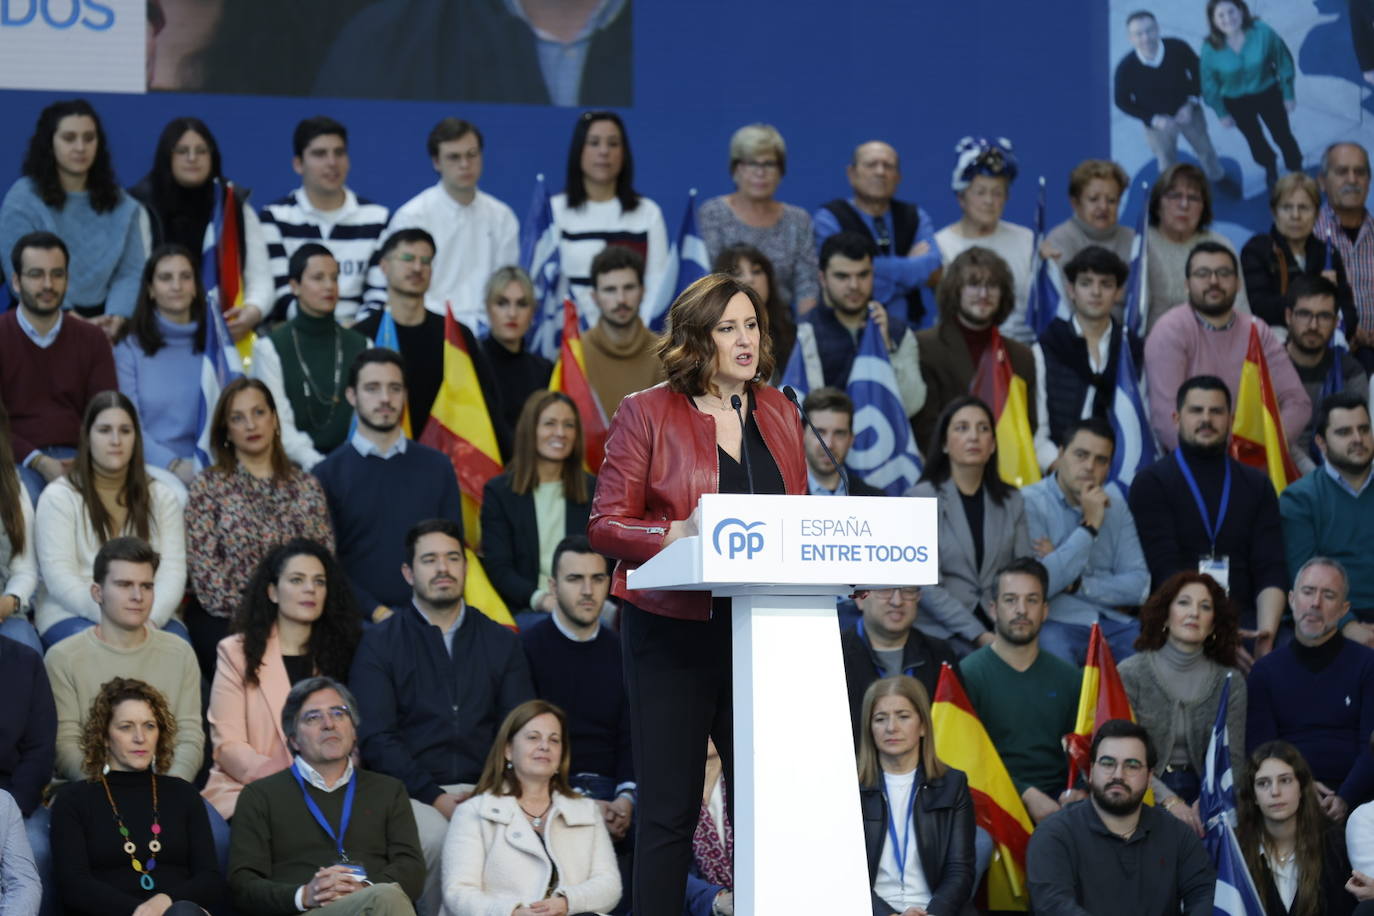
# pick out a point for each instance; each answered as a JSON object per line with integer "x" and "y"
{"x": 903, "y": 233}
{"x": 1311, "y": 315}
{"x": 1211, "y": 337}
{"x": 1113, "y": 854}
{"x": 323, "y": 833}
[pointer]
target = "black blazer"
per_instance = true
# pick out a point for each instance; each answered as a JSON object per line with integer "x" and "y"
{"x": 510, "y": 538}
{"x": 1335, "y": 899}
{"x": 944, "y": 836}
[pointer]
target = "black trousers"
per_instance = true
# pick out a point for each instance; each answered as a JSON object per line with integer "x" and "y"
{"x": 1249, "y": 110}
{"x": 680, "y": 682}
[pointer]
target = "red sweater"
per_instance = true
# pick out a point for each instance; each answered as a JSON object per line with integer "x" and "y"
{"x": 45, "y": 391}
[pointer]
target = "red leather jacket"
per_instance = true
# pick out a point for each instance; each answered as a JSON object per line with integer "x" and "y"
{"x": 660, "y": 457}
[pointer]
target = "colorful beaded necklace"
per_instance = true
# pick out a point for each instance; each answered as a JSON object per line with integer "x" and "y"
{"x": 154, "y": 844}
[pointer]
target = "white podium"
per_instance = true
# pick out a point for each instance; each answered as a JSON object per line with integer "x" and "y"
{"x": 799, "y": 845}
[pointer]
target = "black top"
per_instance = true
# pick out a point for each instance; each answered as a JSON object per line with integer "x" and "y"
{"x": 973, "y": 511}
{"x": 298, "y": 667}
{"x": 733, "y": 476}
{"x": 518, "y": 375}
{"x": 28, "y": 725}
{"x": 93, "y": 873}
{"x": 1143, "y": 92}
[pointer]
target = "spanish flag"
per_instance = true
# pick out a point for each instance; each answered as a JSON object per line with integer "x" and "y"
{"x": 961, "y": 742}
{"x": 1257, "y": 436}
{"x": 1005, "y": 392}
{"x": 1101, "y": 697}
{"x": 570, "y": 377}
{"x": 221, "y": 267}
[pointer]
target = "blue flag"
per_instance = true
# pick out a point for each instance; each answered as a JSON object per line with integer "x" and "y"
{"x": 1135, "y": 440}
{"x": 1045, "y": 297}
{"x": 218, "y": 367}
{"x": 1137, "y": 287}
{"x": 794, "y": 373}
{"x": 539, "y": 256}
{"x": 884, "y": 451}
{"x": 688, "y": 262}
{"x": 1236, "y": 894}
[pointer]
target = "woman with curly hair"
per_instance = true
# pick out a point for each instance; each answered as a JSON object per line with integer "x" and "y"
{"x": 296, "y": 621}
{"x": 1189, "y": 635}
{"x": 127, "y": 840}
{"x": 69, "y": 188}
{"x": 1294, "y": 852}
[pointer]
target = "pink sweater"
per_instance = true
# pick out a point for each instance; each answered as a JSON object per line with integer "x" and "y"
{"x": 1179, "y": 347}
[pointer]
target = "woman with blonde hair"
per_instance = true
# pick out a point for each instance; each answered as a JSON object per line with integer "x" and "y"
{"x": 525, "y": 843}
{"x": 917, "y": 812}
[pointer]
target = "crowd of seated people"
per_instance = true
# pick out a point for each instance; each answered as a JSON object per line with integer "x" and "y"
{"x": 261, "y": 599}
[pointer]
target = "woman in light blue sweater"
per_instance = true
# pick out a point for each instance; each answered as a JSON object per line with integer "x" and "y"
{"x": 158, "y": 357}
{"x": 69, "y": 188}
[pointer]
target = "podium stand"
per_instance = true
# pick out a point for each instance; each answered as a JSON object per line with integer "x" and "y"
{"x": 799, "y": 845}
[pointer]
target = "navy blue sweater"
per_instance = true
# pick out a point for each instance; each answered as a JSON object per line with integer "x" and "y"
{"x": 428, "y": 719}
{"x": 586, "y": 680}
{"x": 373, "y": 502}
{"x": 1321, "y": 700}
{"x": 28, "y": 725}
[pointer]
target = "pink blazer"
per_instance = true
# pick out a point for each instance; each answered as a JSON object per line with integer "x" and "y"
{"x": 245, "y": 722}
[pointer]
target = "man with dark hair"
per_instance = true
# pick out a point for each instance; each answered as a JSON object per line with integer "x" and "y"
{"x": 1159, "y": 84}
{"x": 1077, "y": 357}
{"x": 576, "y": 664}
{"x": 621, "y": 353}
{"x": 1200, "y": 509}
{"x": 1346, "y": 223}
{"x": 902, "y": 232}
{"x": 1330, "y": 512}
{"x": 474, "y": 232}
{"x": 832, "y": 414}
{"x": 1086, "y": 538}
{"x": 1026, "y": 699}
{"x": 1311, "y": 314}
{"x": 1211, "y": 337}
{"x": 380, "y": 483}
{"x": 1114, "y": 854}
{"x": 50, "y": 366}
{"x": 123, "y": 645}
{"x": 323, "y": 209}
{"x": 435, "y": 682}
{"x": 1317, "y": 692}
{"x": 300, "y": 844}
{"x": 828, "y": 336}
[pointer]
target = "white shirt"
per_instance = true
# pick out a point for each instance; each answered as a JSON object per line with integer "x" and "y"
{"x": 901, "y": 888}
{"x": 43, "y": 341}
{"x": 563, "y": 628}
{"x": 1285, "y": 877}
{"x": 312, "y": 775}
{"x": 366, "y": 447}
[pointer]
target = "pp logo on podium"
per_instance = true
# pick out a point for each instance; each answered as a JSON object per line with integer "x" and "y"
{"x": 740, "y": 538}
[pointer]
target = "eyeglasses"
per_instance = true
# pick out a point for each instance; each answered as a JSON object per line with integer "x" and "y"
{"x": 909, "y": 593}
{"x": 760, "y": 165}
{"x": 315, "y": 717}
{"x": 1306, "y": 316}
{"x": 1130, "y": 764}
{"x": 1207, "y": 273}
{"x": 1183, "y": 199}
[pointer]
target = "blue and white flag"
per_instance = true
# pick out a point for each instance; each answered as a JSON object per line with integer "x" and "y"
{"x": 794, "y": 373}
{"x": 539, "y": 256}
{"x": 884, "y": 452}
{"x": 688, "y": 262}
{"x": 219, "y": 366}
{"x": 1236, "y": 894}
{"x": 1137, "y": 282}
{"x": 1135, "y": 439}
{"x": 1046, "y": 297}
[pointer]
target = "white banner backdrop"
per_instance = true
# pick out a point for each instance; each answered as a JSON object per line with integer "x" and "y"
{"x": 74, "y": 45}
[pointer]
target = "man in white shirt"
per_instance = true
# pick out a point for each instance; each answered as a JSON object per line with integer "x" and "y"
{"x": 474, "y": 233}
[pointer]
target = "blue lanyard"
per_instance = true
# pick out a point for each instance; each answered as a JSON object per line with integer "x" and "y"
{"x": 1207, "y": 526}
{"x": 900, "y": 849}
{"x": 324, "y": 821}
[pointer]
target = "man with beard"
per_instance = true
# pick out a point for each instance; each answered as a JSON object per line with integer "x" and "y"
{"x": 1026, "y": 699}
{"x": 434, "y": 683}
{"x": 621, "y": 353}
{"x": 828, "y": 336}
{"x": 1317, "y": 692}
{"x": 1346, "y": 223}
{"x": 1211, "y": 337}
{"x": 1311, "y": 316}
{"x": 1199, "y": 509}
{"x": 1330, "y": 512}
{"x": 51, "y": 364}
{"x": 379, "y": 484}
{"x": 1112, "y": 854}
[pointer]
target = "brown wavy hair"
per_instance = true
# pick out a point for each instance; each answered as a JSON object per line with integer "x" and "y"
{"x": 688, "y": 352}
{"x": 524, "y": 462}
{"x": 11, "y": 490}
{"x": 498, "y": 779}
{"x": 136, "y": 495}
{"x": 870, "y": 772}
{"x": 226, "y": 460}
{"x": 95, "y": 734}
{"x": 1311, "y": 832}
{"x": 1220, "y": 647}
{"x": 976, "y": 265}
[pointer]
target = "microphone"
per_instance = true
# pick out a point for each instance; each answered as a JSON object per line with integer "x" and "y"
{"x": 736, "y": 403}
{"x": 791, "y": 394}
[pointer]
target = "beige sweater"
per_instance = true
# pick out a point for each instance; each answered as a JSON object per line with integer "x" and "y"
{"x": 617, "y": 370}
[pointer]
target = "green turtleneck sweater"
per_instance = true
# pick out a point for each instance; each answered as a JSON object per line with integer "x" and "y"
{"x": 322, "y": 411}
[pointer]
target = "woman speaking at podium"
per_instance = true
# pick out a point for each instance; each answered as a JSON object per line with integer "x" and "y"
{"x": 667, "y": 446}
